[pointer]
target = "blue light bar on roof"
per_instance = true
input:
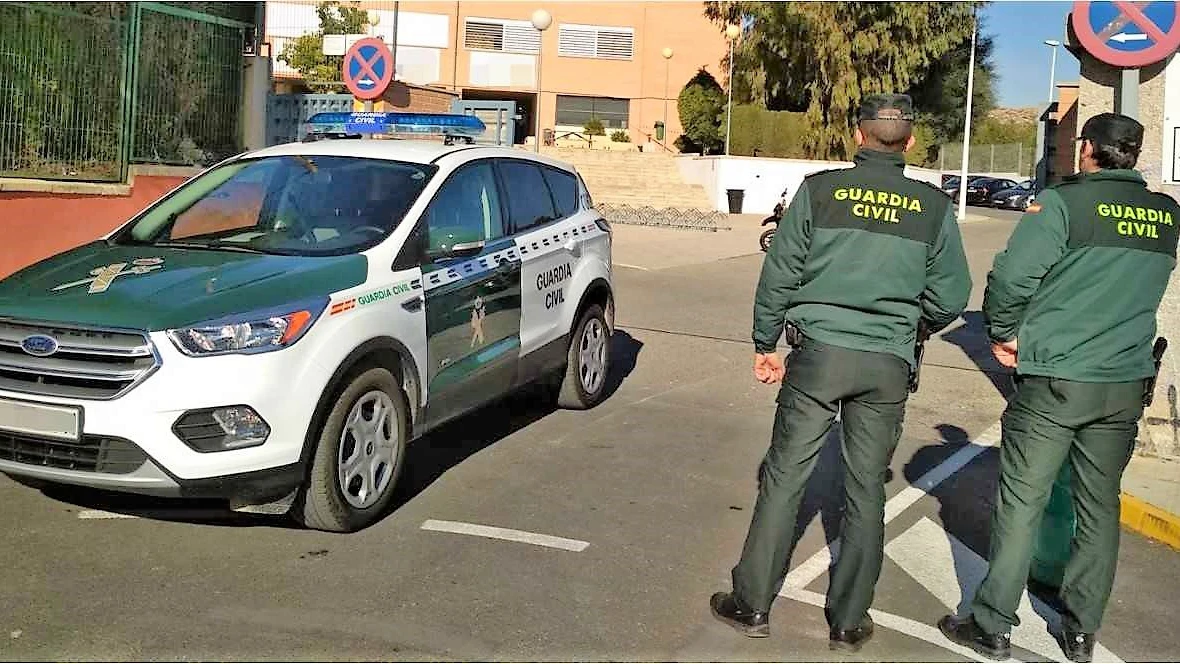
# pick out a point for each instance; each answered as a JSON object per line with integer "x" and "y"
{"x": 424, "y": 124}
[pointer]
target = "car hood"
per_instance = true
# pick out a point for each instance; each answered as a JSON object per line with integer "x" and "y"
{"x": 154, "y": 288}
{"x": 1005, "y": 193}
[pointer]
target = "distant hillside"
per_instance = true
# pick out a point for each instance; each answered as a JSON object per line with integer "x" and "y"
{"x": 1013, "y": 115}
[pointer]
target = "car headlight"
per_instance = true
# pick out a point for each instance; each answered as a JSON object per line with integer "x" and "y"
{"x": 256, "y": 332}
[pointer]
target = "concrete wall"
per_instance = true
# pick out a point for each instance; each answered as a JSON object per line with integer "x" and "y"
{"x": 37, "y": 225}
{"x": 763, "y": 179}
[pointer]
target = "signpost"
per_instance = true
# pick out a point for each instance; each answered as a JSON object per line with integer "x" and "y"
{"x": 1128, "y": 35}
{"x": 367, "y": 69}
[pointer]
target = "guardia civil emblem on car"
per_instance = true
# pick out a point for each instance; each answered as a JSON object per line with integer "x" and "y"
{"x": 277, "y": 330}
{"x": 40, "y": 345}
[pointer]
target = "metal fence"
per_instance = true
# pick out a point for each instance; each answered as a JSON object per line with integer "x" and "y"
{"x": 61, "y": 91}
{"x": 88, "y": 88}
{"x": 989, "y": 158}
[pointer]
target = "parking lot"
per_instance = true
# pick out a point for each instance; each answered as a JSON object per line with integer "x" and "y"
{"x": 527, "y": 534}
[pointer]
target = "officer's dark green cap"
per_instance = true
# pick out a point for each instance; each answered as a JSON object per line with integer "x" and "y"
{"x": 886, "y": 107}
{"x": 1117, "y": 131}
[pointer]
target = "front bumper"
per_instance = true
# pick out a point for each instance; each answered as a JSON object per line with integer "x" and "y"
{"x": 128, "y": 443}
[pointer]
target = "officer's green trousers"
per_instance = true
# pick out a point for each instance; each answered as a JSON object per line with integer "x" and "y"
{"x": 869, "y": 390}
{"x": 1049, "y": 421}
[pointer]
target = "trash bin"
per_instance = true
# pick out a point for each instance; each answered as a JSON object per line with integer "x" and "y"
{"x": 1054, "y": 538}
{"x": 736, "y": 196}
{"x": 659, "y": 130}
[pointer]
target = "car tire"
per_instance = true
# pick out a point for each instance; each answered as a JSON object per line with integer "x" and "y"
{"x": 357, "y": 434}
{"x": 583, "y": 384}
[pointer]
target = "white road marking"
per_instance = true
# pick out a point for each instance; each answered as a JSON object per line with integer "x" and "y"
{"x": 804, "y": 574}
{"x": 633, "y": 267}
{"x": 504, "y": 534}
{"x": 952, "y": 572}
{"x": 158, "y": 514}
{"x": 928, "y": 633}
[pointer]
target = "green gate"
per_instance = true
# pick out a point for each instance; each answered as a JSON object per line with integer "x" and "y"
{"x": 89, "y": 88}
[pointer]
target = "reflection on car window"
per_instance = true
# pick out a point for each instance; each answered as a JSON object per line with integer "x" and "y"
{"x": 466, "y": 209}
{"x": 565, "y": 191}
{"x": 528, "y": 196}
{"x": 301, "y": 205}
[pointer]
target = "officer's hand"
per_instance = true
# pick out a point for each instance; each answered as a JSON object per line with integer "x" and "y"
{"x": 768, "y": 367}
{"x": 1005, "y": 353}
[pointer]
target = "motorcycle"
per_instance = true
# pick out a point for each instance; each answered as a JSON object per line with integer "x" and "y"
{"x": 768, "y": 235}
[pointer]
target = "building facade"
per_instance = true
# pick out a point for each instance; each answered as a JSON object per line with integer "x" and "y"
{"x": 603, "y": 60}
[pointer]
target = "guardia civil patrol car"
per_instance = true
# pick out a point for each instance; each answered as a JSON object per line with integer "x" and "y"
{"x": 277, "y": 329}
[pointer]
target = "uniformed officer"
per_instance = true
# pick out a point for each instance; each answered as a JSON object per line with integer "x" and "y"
{"x": 860, "y": 257}
{"x": 1071, "y": 304}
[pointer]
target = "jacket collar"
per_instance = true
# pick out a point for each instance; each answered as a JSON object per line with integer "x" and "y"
{"x": 1117, "y": 175}
{"x": 867, "y": 157}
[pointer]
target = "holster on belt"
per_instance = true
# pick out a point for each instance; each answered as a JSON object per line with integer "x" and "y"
{"x": 919, "y": 352}
{"x": 1157, "y": 355}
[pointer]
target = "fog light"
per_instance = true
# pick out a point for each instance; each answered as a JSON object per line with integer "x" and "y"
{"x": 221, "y": 429}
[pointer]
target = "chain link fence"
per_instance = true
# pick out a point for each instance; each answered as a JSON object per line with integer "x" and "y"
{"x": 989, "y": 158}
{"x": 88, "y": 88}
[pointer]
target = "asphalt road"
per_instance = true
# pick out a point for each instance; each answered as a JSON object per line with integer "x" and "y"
{"x": 651, "y": 491}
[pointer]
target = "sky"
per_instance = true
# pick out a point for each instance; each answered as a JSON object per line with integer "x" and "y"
{"x": 1020, "y": 56}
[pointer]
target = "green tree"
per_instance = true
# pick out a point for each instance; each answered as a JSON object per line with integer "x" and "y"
{"x": 941, "y": 97}
{"x": 306, "y": 53}
{"x": 823, "y": 57}
{"x": 701, "y": 105}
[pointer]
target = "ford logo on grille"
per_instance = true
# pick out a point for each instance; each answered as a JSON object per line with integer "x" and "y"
{"x": 39, "y": 345}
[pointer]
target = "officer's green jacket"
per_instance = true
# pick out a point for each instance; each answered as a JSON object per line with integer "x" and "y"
{"x": 1082, "y": 276}
{"x": 860, "y": 255}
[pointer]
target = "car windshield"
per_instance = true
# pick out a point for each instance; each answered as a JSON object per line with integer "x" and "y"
{"x": 291, "y": 205}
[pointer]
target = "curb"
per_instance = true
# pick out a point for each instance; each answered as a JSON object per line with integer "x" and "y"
{"x": 1150, "y": 521}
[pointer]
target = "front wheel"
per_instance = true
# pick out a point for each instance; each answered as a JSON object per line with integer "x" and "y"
{"x": 765, "y": 239}
{"x": 358, "y": 457}
{"x": 587, "y": 363}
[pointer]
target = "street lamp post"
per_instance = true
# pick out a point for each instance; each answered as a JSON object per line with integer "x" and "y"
{"x": 1043, "y": 138}
{"x": 541, "y": 21}
{"x": 967, "y": 124}
{"x": 732, "y": 32}
{"x": 667, "y": 53}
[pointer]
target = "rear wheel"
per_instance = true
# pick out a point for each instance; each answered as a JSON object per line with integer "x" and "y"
{"x": 587, "y": 363}
{"x": 764, "y": 240}
{"x": 359, "y": 455}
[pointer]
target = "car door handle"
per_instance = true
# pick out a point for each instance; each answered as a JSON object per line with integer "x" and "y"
{"x": 413, "y": 304}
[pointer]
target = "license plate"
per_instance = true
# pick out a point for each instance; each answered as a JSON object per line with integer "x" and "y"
{"x": 39, "y": 419}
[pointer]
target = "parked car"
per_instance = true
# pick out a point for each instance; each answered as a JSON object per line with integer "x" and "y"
{"x": 980, "y": 191}
{"x": 1015, "y": 198}
{"x": 950, "y": 185}
{"x": 277, "y": 329}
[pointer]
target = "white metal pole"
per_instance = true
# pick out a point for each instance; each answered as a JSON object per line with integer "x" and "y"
{"x": 729, "y": 111}
{"x": 537, "y": 110}
{"x": 1052, "y": 74}
{"x": 967, "y": 124}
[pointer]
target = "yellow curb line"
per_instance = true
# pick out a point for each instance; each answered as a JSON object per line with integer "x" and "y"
{"x": 1150, "y": 521}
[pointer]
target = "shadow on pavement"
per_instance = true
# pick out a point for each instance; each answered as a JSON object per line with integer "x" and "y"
{"x": 970, "y": 336}
{"x": 426, "y": 458}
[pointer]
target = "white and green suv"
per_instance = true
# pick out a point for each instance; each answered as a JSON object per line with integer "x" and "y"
{"x": 277, "y": 329}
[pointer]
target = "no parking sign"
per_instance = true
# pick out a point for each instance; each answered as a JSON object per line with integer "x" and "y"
{"x": 1127, "y": 34}
{"x": 368, "y": 68}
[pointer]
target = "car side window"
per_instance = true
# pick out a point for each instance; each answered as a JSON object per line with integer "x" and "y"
{"x": 564, "y": 187}
{"x": 529, "y": 202}
{"x": 466, "y": 209}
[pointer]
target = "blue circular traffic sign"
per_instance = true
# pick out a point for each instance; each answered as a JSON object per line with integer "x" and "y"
{"x": 1127, "y": 34}
{"x": 368, "y": 68}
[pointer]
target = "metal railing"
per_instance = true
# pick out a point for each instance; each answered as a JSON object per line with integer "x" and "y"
{"x": 989, "y": 158}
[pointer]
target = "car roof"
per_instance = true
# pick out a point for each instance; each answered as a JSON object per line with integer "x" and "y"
{"x": 406, "y": 150}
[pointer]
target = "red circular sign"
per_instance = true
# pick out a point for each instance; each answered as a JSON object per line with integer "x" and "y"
{"x": 1165, "y": 39}
{"x": 367, "y": 68}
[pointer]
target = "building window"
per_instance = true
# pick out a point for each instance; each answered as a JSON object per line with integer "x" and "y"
{"x": 595, "y": 41}
{"x": 493, "y": 34}
{"x": 577, "y": 111}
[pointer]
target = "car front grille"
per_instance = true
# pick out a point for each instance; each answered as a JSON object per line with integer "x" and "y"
{"x": 89, "y": 363}
{"x": 95, "y": 454}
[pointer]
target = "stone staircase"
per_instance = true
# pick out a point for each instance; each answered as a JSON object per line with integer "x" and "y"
{"x": 635, "y": 179}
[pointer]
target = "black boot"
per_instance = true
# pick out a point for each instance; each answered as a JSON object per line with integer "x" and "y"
{"x": 851, "y": 640}
{"x": 966, "y": 632}
{"x": 1078, "y": 646}
{"x": 729, "y": 609}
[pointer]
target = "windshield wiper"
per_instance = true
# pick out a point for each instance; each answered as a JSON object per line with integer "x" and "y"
{"x": 215, "y": 246}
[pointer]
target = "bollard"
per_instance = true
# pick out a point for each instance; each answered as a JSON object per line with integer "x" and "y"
{"x": 1055, "y": 536}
